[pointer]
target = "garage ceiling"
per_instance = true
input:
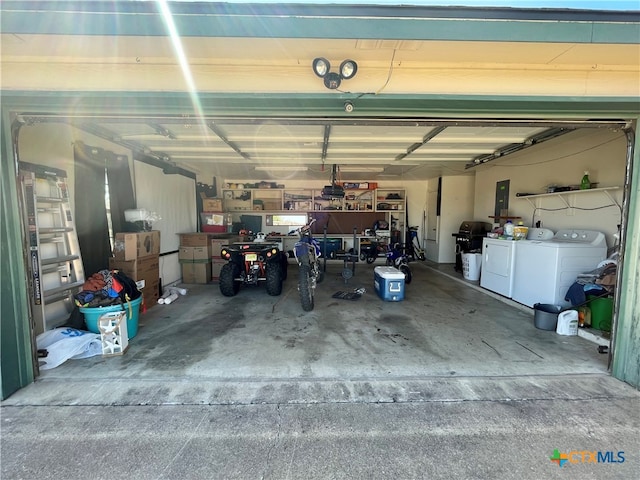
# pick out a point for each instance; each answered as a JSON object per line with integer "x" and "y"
{"x": 305, "y": 148}
{"x": 278, "y": 120}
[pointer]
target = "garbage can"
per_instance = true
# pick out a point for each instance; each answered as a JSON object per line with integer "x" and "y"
{"x": 471, "y": 264}
{"x": 601, "y": 312}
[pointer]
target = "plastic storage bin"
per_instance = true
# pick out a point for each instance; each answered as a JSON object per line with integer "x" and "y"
{"x": 333, "y": 245}
{"x": 132, "y": 309}
{"x": 389, "y": 283}
{"x": 471, "y": 263}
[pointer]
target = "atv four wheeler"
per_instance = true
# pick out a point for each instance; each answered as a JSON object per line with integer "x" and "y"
{"x": 251, "y": 263}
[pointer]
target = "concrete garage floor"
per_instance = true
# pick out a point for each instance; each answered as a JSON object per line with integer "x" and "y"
{"x": 443, "y": 330}
{"x": 448, "y": 383}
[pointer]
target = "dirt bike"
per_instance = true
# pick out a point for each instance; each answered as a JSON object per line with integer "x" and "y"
{"x": 252, "y": 263}
{"x": 307, "y": 253}
{"x": 400, "y": 260}
{"x": 370, "y": 249}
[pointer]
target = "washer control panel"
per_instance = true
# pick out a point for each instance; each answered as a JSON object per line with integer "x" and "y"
{"x": 579, "y": 236}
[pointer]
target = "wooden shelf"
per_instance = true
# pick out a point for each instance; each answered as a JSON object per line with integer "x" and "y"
{"x": 564, "y": 196}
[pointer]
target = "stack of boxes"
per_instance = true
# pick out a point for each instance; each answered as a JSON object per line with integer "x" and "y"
{"x": 195, "y": 257}
{"x": 199, "y": 256}
{"x": 137, "y": 255}
{"x": 212, "y": 218}
{"x": 216, "y": 261}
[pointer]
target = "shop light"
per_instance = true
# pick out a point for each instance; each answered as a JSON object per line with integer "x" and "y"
{"x": 332, "y": 80}
{"x": 282, "y": 169}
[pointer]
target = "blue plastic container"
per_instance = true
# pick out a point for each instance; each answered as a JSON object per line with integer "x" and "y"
{"x": 333, "y": 245}
{"x": 389, "y": 283}
{"x": 92, "y": 315}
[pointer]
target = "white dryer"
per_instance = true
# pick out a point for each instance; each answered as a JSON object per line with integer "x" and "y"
{"x": 544, "y": 270}
{"x": 498, "y": 260}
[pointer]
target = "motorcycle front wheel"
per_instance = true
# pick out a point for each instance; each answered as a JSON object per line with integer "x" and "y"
{"x": 305, "y": 286}
{"x": 407, "y": 273}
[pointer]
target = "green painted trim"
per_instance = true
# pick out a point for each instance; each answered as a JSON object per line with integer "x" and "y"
{"x": 626, "y": 358}
{"x": 199, "y": 19}
{"x": 16, "y": 365}
{"x": 318, "y": 105}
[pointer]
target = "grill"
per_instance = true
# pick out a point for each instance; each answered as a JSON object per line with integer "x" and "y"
{"x": 469, "y": 239}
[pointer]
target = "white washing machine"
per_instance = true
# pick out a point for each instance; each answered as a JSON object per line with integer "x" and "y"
{"x": 544, "y": 270}
{"x": 498, "y": 260}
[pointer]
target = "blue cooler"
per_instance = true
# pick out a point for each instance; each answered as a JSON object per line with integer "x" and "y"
{"x": 389, "y": 283}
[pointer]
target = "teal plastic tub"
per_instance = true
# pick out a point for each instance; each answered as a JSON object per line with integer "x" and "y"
{"x": 92, "y": 315}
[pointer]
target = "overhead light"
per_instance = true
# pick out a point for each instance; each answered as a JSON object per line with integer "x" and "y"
{"x": 348, "y": 69}
{"x": 321, "y": 66}
{"x": 281, "y": 169}
{"x": 332, "y": 80}
{"x": 361, "y": 169}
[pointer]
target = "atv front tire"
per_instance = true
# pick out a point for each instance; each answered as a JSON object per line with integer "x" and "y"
{"x": 228, "y": 285}
{"x": 284, "y": 265}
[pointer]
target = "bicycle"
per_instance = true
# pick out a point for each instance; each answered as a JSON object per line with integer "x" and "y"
{"x": 398, "y": 259}
{"x": 415, "y": 250}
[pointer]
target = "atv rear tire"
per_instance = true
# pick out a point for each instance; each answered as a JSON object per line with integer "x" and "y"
{"x": 228, "y": 285}
{"x": 304, "y": 286}
{"x": 274, "y": 280}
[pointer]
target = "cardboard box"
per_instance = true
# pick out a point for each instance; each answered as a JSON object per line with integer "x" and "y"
{"x": 212, "y": 205}
{"x": 199, "y": 239}
{"x": 216, "y": 266}
{"x": 272, "y": 204}
{"x": 145, "y": 268}
{"x": 195, "y": 253}
{"x": 151, "y": 294}
{"x": 196, "y": 272}
{"x": 218, "y": 243}
{"x": 212, "y": 218}
{"x": 129, "y": 246}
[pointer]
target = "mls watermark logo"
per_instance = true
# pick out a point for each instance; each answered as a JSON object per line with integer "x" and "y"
{"x": 586, "y": 456}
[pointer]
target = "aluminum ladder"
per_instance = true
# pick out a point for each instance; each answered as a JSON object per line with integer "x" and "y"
{"x": 54, "y": 263}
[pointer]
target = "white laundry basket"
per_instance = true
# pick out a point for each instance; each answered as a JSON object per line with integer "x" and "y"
{"x": 471, "y": 264}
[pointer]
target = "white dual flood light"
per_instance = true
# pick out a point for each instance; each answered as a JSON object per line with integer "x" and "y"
{"x": 332, "y": 80}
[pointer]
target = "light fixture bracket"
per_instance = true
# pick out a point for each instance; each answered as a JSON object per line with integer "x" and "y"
{"x": 332, "y": 80}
